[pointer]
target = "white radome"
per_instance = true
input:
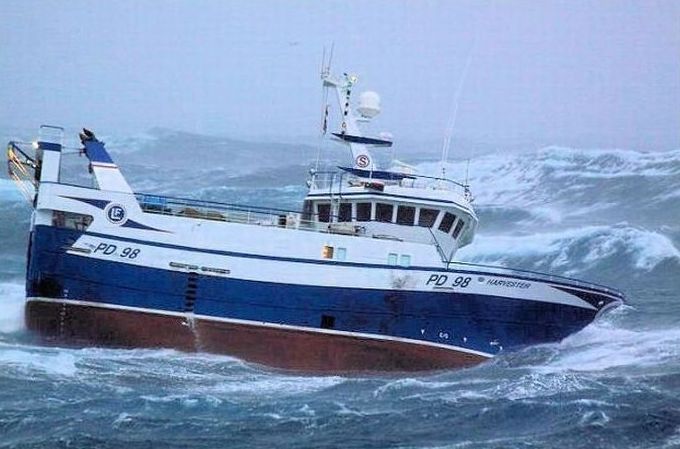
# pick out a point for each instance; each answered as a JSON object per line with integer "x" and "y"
{"x": 369, "y": 104}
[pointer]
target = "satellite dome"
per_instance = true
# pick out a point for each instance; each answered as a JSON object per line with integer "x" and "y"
{"x": 369, "y": 104}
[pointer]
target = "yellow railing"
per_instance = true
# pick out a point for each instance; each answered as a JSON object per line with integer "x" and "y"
{"x": 21, "y": 169}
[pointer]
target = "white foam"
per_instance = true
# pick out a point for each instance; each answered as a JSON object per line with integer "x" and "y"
{"x": 594, "y": 418}
{"x": 12, "y": 297}
{"x": 521, "y": 179}
{"x": 538, "y": 384}
{"x": 601, "y": 347}
{"x": 574, "y": 249}
{"x": 270, "y": 384}
{"x": 29, "y": 359}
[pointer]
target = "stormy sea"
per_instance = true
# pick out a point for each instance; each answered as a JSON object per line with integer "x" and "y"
{"x": 606, "y": 215}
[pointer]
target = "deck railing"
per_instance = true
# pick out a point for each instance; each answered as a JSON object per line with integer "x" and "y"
{"x": 234, "y": 213}
{"x": 238, "y": 213}
{"x": 336, "y": 181}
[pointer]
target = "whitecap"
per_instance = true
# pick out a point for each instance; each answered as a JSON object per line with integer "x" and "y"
{"x": 13, "y": 297}
{"x": 575, "y": 250}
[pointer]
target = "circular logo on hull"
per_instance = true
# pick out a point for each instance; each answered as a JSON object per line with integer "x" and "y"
{"x": 363, "y": 161}
{"x": 116, "y": 214}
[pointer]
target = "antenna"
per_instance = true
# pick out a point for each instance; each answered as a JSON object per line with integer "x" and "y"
{"x": 468, "y": 193}
{"x": 330, "y": 57}
{"x": 454, "y": 113}
{"x": 467, "y": 173}
{"x": 324, "y": 103}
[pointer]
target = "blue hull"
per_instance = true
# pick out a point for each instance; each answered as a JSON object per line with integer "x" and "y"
{"x": 485, "y": 324}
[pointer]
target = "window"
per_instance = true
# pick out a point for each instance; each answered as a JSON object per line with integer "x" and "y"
{"x": 406, "y": 215}
{"x": 364, "y": 211}
{"x": 427, "y": 217}
{"x": 405, "y": 260}
{"x": 458, "y": 228}
{"x": 327, "y": 252}
{"x": 324, "y": 211}
{"x": 383, "y": 212}
{"x": 447, "y": 222}
{"x": 340, "y": 253}
{"x": 345, "y": 212}
{"x": 70, "y": 220}
{"x": 392, "y": 259}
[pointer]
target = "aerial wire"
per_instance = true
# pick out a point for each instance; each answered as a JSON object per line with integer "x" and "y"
{"x": 454, "y": 108}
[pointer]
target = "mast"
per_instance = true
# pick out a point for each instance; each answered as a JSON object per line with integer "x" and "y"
{"x": 350, "y": 134}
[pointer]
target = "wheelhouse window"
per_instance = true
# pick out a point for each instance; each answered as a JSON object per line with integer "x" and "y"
{"x": 447, "y": 222}
{"x": 345, "y": 212}
{"x": 458, "y": 228}
{"x": 324, "y": 211}
{"x": 364, "y": 211}
{"x": 392, "y": 259}
{"x": 383, "y": 212}
{"x": 406, "y": 215}
{"x": 427, "y": 217}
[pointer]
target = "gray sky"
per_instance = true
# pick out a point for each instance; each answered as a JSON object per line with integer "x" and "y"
{"x": 582, "y": 73}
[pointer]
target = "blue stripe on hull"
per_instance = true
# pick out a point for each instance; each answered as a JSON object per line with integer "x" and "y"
{"x": 464, "y": 320}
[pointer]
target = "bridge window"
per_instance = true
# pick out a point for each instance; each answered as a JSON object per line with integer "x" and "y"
{"x": 427, "y": 217}
{"x": 345, "y": 212}
{"x": 364, "y": 211}
{"x": 324, "y": 211}
{"x": 405, "y": 260}
{"x": 447, "y": 222}
{"x": 383, "y": 212}
{"x": 459, "y": 227}
{"x": 392, "y": 259}
{"x": 406, "y": 215}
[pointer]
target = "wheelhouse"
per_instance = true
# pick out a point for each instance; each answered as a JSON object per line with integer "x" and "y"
{"x": 391, "y": 205}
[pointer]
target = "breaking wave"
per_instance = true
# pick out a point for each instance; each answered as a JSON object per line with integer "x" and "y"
{"x": 575, "y": 251}
{"x": 603, "y": 215}
{"x": 560, "y": 183}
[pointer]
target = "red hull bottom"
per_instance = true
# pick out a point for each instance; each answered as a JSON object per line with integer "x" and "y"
{"x": 298, "y": 350}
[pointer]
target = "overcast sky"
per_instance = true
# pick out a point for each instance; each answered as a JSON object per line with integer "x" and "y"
{"x": 584, "y": 73}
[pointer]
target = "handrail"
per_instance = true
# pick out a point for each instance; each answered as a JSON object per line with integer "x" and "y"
{"x": 438, "y": 246}
{"x": 329, "y": 179}
{"x": 409, "y": 175}
{"x": 14, "y": 145}
{"x": 216, "y": 204}
{"x": 18, "y": 165}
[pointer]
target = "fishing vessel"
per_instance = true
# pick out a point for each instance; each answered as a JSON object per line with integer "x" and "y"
{"x": 363, "y": 278}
